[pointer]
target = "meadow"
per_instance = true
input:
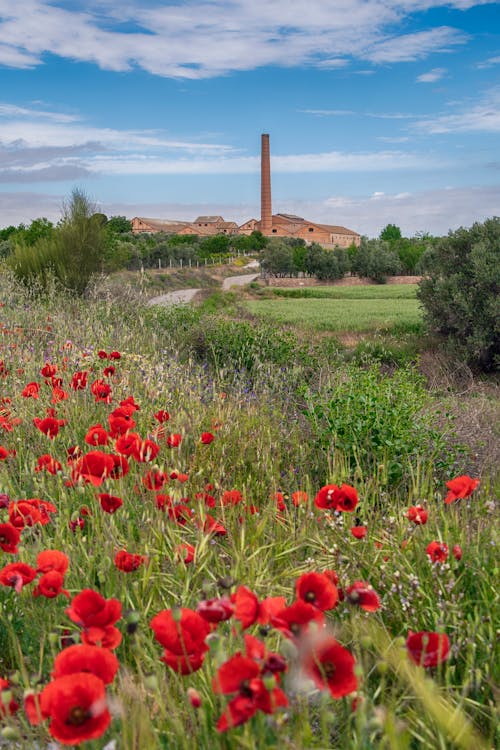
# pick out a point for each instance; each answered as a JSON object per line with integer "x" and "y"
{"x": 343, "y": 309}
{"x": 216, "y": 535}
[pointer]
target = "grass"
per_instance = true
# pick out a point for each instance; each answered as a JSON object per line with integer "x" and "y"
{"x": 263, "y": 444}
{"x": 369, "y": 291}
{"x": 340, "y": 315}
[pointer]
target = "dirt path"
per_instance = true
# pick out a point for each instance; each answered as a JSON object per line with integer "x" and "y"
{"x": 239, "y": 280}
{"x": 181, "y": 296}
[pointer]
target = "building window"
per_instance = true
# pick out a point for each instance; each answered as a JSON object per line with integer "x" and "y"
{"x": 274, "y": 231}
{"x": 311, "y": 229}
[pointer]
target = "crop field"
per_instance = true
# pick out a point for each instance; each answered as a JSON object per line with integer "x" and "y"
{"x": 215, "y": 537}
{"x": 343, "y": 309}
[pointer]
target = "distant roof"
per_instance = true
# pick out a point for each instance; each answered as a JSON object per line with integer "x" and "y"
{"x": 208, "y": 220}
{"x": 161, "y": 222}
{"x": 336, "y": 229}
{"x": 291, "y": 217}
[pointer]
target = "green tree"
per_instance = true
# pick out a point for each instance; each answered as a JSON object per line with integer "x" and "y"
{"x": 277, "y": 259}
{"x": 119, "y": 225}
{"x": 461, "y": 294}
{"x": 390, "y": 233}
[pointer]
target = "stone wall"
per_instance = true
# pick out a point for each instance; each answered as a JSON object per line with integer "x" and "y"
{"x": 346, "y": 281}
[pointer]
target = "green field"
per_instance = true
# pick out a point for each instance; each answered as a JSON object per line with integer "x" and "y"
{"x": 342, "y": 309}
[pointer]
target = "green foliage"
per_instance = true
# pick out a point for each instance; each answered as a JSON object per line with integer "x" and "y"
{"x": 377, "y": 422}
{"x": 390, "y": 233}
{"x": 72, "y": 252}
{"x": 119, "y": 225}
{"x": 461, "y": 295}
{"x": 375, "y": 259}
{"x": 277, "y": 259}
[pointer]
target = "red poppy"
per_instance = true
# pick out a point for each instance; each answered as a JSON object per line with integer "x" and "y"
{"x": 212, "y": 526}
{"x": 110, "y": 503}
{"x": 318, "y": 590}
{"x": 32, "y": 390}
{"x": 58, "y": 394}
{"x": 215, "y": 610}
{"x": 127, "y": 562}
{"x": 48, "y": 370}
{"x": 76, "y": 706}
{"x": 120, "y": 466}
{"x": 101, "y": 391}
{"x": 299, "y": 497}
{"x": 90, "y": 659}
{"x": 182, "y": 633}
{"x": 207, "y": 438}
{"x": 154, "y": 480}
{"x": 52, "y": 559}
{"x": 248, "y": 609}
{"x": 179, "y": 475}
{"x": 185, "y": 552}
{"x": 9, "y": 707}
{"x": 96, "y": 435}
{"x": 457, "y": 552}
{"x": 108, "y": 371}
{"x": 460, "y": 487}
{"x": 49, "y": 426}
{"x": 293, "y": 621}
{"x": 128, "y": 444}
{"x": 102, "y": 354}
{"x": 9, "y": 538}
{"x": 16, "y": 575}
{"x": 331, "y": 667}
{"x": 174, "y": 440}
{"x": 427, "y": 649}
{"x": 90, "y": 609}
{"x": 50, "y": 585}
{"x": 437, "y": 551}
{"x": 241, "y": 675}
{"x": 359, "y": 532}
{"x": 231, "y": 497}
{"x": 344, "y": 498}
{"x": 115, "y": 355}
{"x": 93, "y": 467}
{"x": 120, "y": 422}
{"x": 30, "y": 512}
{"x": 194, "y": 697}
{"x": 363, "y": 595}
{"x": 79, "y": 381}
{"x": 417, "y": 514}
{"x": 48, "y": 463}
{"x": 162, "y": 416}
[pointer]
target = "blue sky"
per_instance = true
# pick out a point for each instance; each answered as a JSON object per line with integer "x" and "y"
{"x": 378, "y": 111}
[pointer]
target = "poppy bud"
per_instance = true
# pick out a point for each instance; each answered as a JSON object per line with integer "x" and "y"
{"x": 194, "y": 697}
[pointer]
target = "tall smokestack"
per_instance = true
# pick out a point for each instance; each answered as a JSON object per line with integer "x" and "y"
{"x": 266, "y": 220}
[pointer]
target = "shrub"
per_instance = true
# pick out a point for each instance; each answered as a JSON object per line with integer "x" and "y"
{"x": 461, "y": 293}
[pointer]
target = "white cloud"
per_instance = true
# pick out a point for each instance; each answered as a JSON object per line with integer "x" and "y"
{"x": 489, "y": 63}
{"x": 432, "y": 76}
{"x": 203, "y": 38}
{"x": 480, "y": 117}
{"x": 434, "y": 211}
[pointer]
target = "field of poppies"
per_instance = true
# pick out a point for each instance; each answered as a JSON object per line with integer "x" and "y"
{"x": 185, "y": 562}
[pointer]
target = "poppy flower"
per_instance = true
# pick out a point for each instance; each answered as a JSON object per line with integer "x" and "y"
{"x": 31, "y": 390}
{"x": 79, "y": 381}
{"x": 50, "y": 585}
{"x": 194, "y": 697}
{"x": 30, "y": 512}
{"x": 417, "y": 514}
{"x": 207, "y": 438}
{"x": 212, "y": 526}
{"x": 59, "y": 394}
{"x": 331, "y": 667}
{"x": 318, "y": 590}
{"x": 115, "y": 355}
{"x": 102, "y": 354}
{"x": 16, "y": 575}
{"x": 174, "y": 440}
{"x": 9, "y": 707}
{"x": 359, "y": 532}
{"x": 93, "y": 467}
{"x": 457, "y": 552}
{"x": 363, "y": 595}
{"x": 154, "y": 480}
{"x": 110, "y": 503}
{"x": 49, "y": 426}
{"x": 48, "y": 370}
{"x": 215, "y": 610}
{"x": 96, "y": 435}
{"x": 108, "y": 371}
{"x": 52, "y": 559}
{"x": 48, "y": 463}
{"x": 127, "y": 562}
{"x": 427, "y": 649}
{"x": 294, "y": 621}
{"x": 248, "y": 609}
{"x": 120, "y": 422}
{"x": 9, "y": 538}
{"x": 76, "y": 706}
{"x": 162, "y": 416}
{"x": 437, "y": 551}
{"x": 182, "y": 633}
{"x": 185, "y": 552}
{"x": 460, "y": 487}
{"x": 231, "y": 497}
{"x": 101, "y": 391}
{"x": 90, "y": 659}
{"x": 179, "y": 475}
{"x": 299, "y": 497}
{"x": 344, "y": 498}
{"x": 90, "y": 609}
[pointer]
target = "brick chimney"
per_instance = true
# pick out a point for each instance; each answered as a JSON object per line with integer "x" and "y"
{"x": 266, "y": 220}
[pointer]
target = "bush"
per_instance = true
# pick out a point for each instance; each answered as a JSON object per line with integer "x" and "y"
{"x": 461, "y": 294}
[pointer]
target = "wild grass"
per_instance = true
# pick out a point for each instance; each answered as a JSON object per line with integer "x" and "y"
{"x": 341, "y": 315}
{"x": 264, "y": 443}
{"x": 369, "y": 291}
